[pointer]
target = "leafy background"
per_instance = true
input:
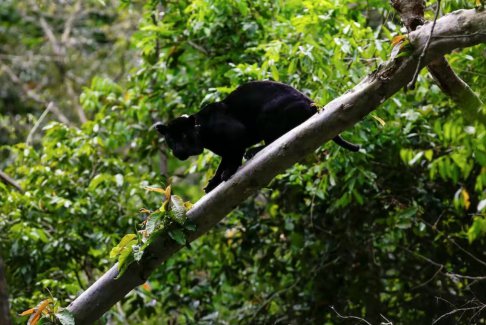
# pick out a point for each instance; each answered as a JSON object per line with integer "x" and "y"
{"x": 396, "y": 231}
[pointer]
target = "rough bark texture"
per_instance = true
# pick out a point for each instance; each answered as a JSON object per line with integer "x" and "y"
{"x": 4, "y": 306}
{"x": 463, "y": 28}
{"x": 411, "y": 12}
{"x": 412, "y": 15}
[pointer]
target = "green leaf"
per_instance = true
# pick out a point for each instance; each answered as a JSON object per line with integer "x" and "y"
{"x": 477, "y": 229}
{"x": 190, "y": 226}
{"x": 408, "y": 213}
{"x": 124, "y": 260}
{"x": 429, "y": 154}
{"x": 178, "y": 235}
{"x": 65, "y": 317}
{"x": 153, "y": 222}
{"x": 98, "y": 179}
{"x": 126, "y": 241}
{"x": 178, "y": 210}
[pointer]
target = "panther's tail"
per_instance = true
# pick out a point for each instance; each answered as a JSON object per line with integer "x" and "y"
{"x": 345, "y": 144}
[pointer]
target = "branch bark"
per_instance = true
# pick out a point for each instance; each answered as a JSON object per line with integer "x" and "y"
{"x": 4, "y": 305}
{"x": 459, "y": 29}
{"x": 412, "y": 15}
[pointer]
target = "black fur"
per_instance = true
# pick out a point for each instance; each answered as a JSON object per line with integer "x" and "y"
{"x": 254, "y": 112}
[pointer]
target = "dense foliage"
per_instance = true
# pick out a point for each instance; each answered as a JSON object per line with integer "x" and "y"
{"x": 396, "y": 230}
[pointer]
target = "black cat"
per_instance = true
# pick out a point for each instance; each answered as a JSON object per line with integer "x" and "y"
{"x": 256, "y": 111}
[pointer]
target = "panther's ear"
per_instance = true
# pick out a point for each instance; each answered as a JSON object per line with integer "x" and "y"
{"x": 190, "y": 118}
{"x": 161, "y": 128}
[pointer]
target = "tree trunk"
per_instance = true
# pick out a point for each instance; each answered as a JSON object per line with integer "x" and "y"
{"x": 4, "y": 306}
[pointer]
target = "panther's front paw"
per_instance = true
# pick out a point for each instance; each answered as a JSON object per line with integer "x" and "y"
{"x": 211, "y": 185}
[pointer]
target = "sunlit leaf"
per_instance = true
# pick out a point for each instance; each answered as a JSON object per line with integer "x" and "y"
{"x": 380, "y": 120}
{"x": 397, "y": 39}
{"x": 155, "y": 189}
{"x": 477, "y": 229}
{"x": 168, "y": 192}
{"x": 126, "y": 242}
{"x": 466, "y": 198}
{"x": 36, "y": 312}
{"x": 27, "y": 312}
{"x": 146, "y": 286}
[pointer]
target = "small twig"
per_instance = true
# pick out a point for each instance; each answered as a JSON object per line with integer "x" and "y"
{"x": 350, "y": 317}
{"x": 445, "y": 300}
{"x": 468, "y": 277}
{"x": 411, "y": 84}
{"x": 70, "y": 21}
{"x": 39, "y": 121}
{"x": 386, "y": 319}
{"x": 10, "y": 181}
{"x": 456, "y": 311}
{"x": 198, "y": 47}
{"x": 434, "y": 228}
{"x": 477, "y": 313}
{"x": 48, "y": 31}
{"x": 442, "y": 266}
{"x": 75, "y": 101}
{"x": 439, "y": 270}
{"x": 477, "y": 259}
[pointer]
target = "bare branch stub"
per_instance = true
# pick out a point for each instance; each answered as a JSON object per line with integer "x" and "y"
{"x": 411, "y": 84}
{"x": 412, "y": 15}
{"x": 411, "y": 12}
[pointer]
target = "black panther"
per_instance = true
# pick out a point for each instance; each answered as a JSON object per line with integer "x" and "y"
{"x": 256, "y": 111}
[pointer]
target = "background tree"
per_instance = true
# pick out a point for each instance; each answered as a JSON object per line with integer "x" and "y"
{"x": 50, "y": 50}
{"x": 384, "y": 232}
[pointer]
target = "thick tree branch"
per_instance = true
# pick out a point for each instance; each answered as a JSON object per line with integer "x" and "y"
{"x": 412, "y": 15}
{"x": 338, "y": 115}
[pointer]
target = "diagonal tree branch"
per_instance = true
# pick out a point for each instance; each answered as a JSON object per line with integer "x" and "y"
{"x": 412, "y": 15}
{"x": 457, "y": 30}
{"x": 68, "y": 26}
